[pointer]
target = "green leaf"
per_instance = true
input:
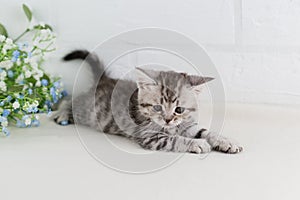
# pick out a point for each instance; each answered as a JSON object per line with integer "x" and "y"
{"x": 47, "y": 26}
{"x": 3, "y": 30}
{"x": 27, "y": 12}
{"x": 15, "y": 88}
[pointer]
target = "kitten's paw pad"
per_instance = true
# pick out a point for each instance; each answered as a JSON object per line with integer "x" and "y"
{"x": 200, "y": 146}
{"x": 63, "y": 123}
{"x": 227, "y": 146}
{"x": 62, "y": 119}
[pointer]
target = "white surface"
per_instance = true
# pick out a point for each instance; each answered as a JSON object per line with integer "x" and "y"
{"x": 254, "y": 44}
{"x": 50, "y": 163}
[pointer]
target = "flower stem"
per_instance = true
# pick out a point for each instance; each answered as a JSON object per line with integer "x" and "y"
{"x": 26, "y": 31}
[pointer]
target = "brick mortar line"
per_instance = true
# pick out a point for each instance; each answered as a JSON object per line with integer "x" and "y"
{"x": 280, "y": 49}
{"x": 238, "y": 24}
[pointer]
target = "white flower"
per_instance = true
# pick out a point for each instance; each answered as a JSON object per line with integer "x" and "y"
{"x": 40, "y": 73}
{"x": 36, "y": 77}
{"x": 19, "y": 62}
{"x": 26, "y": 105}
{"x": 16, "y": 105}
{"x": 3, "y": 86}
{"x": 7, "y": 47}
{"x": 38, "y": 83}
{"x": 27, "y": 74}
{"x": 9, "y": 41}
{"x": 20, "y": 78}
{"x": 4, "y": 51}
{"x": 4, "y": 123}
{"x": 27, "y": 121}
{"x": 35, "y": 103}
{"x": 2, "y": 38}
{"x": 3, "y": 75}
{"x": 7, "y": 64}
{"x": 37, "y": 117}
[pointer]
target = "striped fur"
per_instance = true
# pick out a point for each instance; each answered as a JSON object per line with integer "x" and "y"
{"x": 145, "y": 110}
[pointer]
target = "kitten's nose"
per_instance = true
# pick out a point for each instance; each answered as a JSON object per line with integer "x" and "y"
{"x": 168, "y": 120}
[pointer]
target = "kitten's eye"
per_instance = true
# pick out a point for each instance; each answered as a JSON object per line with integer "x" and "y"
{"x": 157, "y": 108}
{"x": 179, "y": 110}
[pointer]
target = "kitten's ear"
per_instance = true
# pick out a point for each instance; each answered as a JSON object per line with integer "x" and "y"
{"x": 145, "y": 77}
{"x": 198, "y": 80}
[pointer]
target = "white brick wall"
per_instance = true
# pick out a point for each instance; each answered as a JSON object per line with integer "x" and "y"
{"x": 271, "y": 22}
{"x": 263, "y": 65}
{"x": 255, "y": 44}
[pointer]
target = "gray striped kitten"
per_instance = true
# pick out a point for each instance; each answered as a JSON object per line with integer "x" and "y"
{"x": 159, "y": 111}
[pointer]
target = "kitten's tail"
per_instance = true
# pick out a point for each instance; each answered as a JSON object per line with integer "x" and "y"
{"x": 91, "y": 58}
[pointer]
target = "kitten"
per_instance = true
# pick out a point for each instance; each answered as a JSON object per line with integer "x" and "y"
{"x": 159, "y": 111}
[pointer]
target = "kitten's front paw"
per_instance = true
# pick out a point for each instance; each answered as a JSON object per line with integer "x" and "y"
{"x": 227, "y": 146}
{"x": 199, "y": 146}
{"x": 61, "y": 118}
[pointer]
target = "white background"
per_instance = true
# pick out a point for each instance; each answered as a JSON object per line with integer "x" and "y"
{"x": 254, "y": 44}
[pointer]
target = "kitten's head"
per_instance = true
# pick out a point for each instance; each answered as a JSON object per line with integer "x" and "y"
{"x": 168, "y": 98}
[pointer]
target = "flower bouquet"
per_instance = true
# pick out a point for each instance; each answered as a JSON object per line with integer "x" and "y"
{"x": 25, "y": 88}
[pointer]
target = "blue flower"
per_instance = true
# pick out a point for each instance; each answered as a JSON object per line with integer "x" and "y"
{"x": 8, "y": 98}
{"x": 5, "y": 131}
{"x": 29, "y": 91}
{"x": 34, "y": 109}
{"x": 53, "y": 94}
{"x": 52, "y": 90}
{"x": 48, "y": 103}
{"x": 21, "y": 96}
{"x": 1, "y": 70}
{"x": 24, "y": 117}
{"x": 5, "y": 113}
{"x": 35, "y": 122}
{"x": 44, "y": 82}
{"x": 29, "y": 110}
{"x": 21, "y": 124}
{"x": 56, "y": 84}
{"x": 55, "y": 100}
{"x": 2, "y": 103}
{"x": 10, "y": 73}
{"x": 15, "y": 55}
